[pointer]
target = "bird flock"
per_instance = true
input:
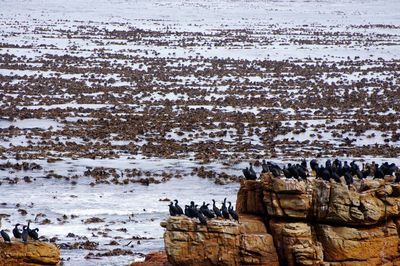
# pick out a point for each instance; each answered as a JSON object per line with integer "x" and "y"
{"x": 204, "y": 213}
{"x": 332, "y": 170}
{"x": 26, "y": 233}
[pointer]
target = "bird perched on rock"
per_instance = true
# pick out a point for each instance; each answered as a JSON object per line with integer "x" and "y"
{"x": 16, "y": 232}
{"x": 314, "y": 165}
{"x": 34, "y": 234}
{"x": 379, "y": 174}
{"x": 204, "y": 209}
{"x": 249, "y": 173}
{"x": 274, "y": 169}
{"x": 253, "y": 175}
{"x": 178, "y": 208}
{"x": 232, "y": 212}
{"x": 25, "y": 234}
{"x": 5, "y": 236}
{"x": 349, "y": 178}
{"x": 265, "y": 168}
{"x": 188, "y": 213}
{"x": 216, "y": 210}
{"x": 172, "y": 209}
{"x": 224, "y": 210}
{"x": 200, "y": 216}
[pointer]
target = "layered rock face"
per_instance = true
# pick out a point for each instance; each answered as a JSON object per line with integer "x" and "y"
{"x": 34, "y": 253}
{"x": 220, "y": 242}
{"x": 311, "y": 222}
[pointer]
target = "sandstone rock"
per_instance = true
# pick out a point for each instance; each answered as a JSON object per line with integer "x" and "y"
{"x": 251, "y": 224}
{"x": 295, "y": 205}
{"x": 154, "y": 259}
{"x": 272, "y": 204}
{"x": 295, "y": 243}
{"x": 309, "y": 223}
{"x": 367, "y": 184}
{"x": 258, "y": 249}
{"x": 375, "y": 244}
{"x": 256, "y": 245}
{"x": 288, "y": 186}
{"x": 215, "y": 243}
{"x": 249, "y": 199}
{"x": 221, "y": 242}
{"x": 34, "y": 253}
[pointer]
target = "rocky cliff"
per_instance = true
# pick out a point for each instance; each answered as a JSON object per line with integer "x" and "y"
{"x": 34, "y": 253}
{"x": 290, "y": 222}
{"x": 220, "y": 242}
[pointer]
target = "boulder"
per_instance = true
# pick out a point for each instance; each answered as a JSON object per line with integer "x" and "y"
{"x": 374, "y": 245}
{"x": 34, "y": 253}
{"x": 154, "y": 259}
{"x": 187, "y": 242}
{"x": 220, "y": 242}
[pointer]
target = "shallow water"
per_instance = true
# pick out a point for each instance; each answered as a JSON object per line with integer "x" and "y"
{"x": 134, "y": 207}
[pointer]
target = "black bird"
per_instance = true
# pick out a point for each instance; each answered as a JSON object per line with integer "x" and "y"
{"x": 286, "y": 173}
{"x": 379, "y": 174}
{"x": 200, "y": 215}
{"x": 349, "y": 178}
{"x": 224, "y": 210}
{"x": 172, "y": 209}
{"x": 232, "y": 212}
{"x": 253, "y": 175}
{"x": 192, "y": 210}
{"x": 388, "y": 169}
{"x": 314, "y": 165}
{"x": 216, "y": 210}
{"x": 328, "y": 164}
{"x": 204, "y": 206}
{"x": 397, "y": 174}
{"x": 293, "y": 171}
{"x": 202, "y": 218}
{"x": 188, "y": 213}
{"x": 366, "y": 170}
{"x": 25, "y": 234}
{"x": 28, "y": 228}
{"x": 275, "y": 169}
{"x": 302, "y": 172}
{"x": 335, "y": 177}
{"x": 178, "y": 208}
{"x": 5, "y": 236}
{"x": 16, "y": 232}
{"x": 323, "y": 173}
{"x": 33, "y": 234}
{"x": 249, "y": 174}
{"x": 355, "y": 170}
{"x": 346, "y": 168}
{"x": 246, "y": 173}
{"x": 337, "y": 163}
{"x": 265, "y": 168}
{"x": 206, "y": 211}
{"x": 304, "y": 164}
